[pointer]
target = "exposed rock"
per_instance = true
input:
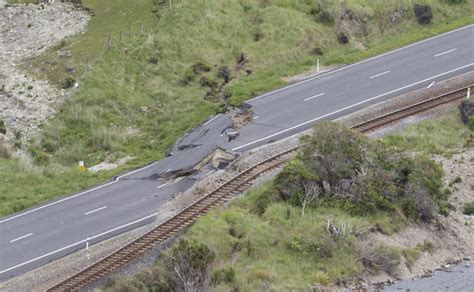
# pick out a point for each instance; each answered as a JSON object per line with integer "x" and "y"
{"x": 221, "y": 159}
{"x": 27, "y": 31}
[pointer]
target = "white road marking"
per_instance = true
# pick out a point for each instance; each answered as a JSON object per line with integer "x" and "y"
{"x": 355, "y": 64}
{"x": 21, "y": 237}
{"x": 350, "y": 106}
{"x": 431, "y": 84}
{"x": 314, "y": 96}
{"x": 231, "y": 133}
{"x": 206, "y": 123}
{"x": 96, "y": 210}
{"x": 444, "y": 53}
{"x": 378, "y": 75}
{"x": 168, "y": 170}
{"x": 79, "y": 242}
{"x": 255, "y": 117}
{"x": 77, "y": 195}
{"x": 160, "y": 186}
{"x": 212, "y": 171}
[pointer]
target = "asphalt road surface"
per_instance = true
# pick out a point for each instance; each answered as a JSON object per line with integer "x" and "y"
{"x": 39, "y": 235}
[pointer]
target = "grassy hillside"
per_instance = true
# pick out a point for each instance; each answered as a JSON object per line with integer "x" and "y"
{"x": 193, "y": 59}
{"x": 265, "y": 240}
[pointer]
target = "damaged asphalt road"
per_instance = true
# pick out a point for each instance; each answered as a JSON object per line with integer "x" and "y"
{"x": 41, "y": 234}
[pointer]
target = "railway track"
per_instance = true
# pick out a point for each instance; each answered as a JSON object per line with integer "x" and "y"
{"x": 410, "y": 110}
{"x": 222, "y": 194}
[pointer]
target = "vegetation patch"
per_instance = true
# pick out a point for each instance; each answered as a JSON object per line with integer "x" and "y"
{"x": 309, "y": 226}
{"x": 444, "y": 136}
{"x": 468, "y": 208}
{"x": 129, "y": 77}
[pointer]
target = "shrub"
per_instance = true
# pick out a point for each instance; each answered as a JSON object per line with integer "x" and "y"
{"x": 317, "y": 51}
{"x": 4, "y": 153}
{"x": 466, "y": 108}
{"x": 342, "y": 38}
{"x": 223, "y": 276}
{"x": 380, "y": 258}
{"x": 153, "y": 60}
{"x": 200, "y": 67}
{"x": 68, "y": 82}
{"x": 188, "y": 265}
{"x": 224, "y": 73}
{"x": 321, "y": 277}
{"x": 456, "y": 1}
{"x": 423, "y": 13}
{"x": 468, "y": 208}
{"x": 411, "y": 256}
{"x": 3, "y": 128}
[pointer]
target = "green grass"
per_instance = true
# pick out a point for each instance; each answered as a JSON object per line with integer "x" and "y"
{"x": 445, "y": 135}
{"x": 468, "y": 208}
{"x": 288, "y": 253}
{"x": 130, "y": 101}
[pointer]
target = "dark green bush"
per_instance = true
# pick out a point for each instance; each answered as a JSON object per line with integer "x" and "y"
{"x": 361, "y": 177}
{"x": 68, "y": 82}
{"x": 223, "y": 276}
{"x": 423, "y": 13}
{"x": 468, "y": 208}
{"x": 3, "y": 128}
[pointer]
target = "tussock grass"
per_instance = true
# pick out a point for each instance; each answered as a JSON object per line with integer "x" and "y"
{"x": 131, "y": 100}
{"x": 438, "y": 136}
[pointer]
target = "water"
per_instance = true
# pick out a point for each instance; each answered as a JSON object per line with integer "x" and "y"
{"x": 459, "y": 278}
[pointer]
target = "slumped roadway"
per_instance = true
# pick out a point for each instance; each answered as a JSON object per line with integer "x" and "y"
{"x": 41, "y": 234}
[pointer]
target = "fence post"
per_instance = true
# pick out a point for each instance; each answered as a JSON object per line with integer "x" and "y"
{"x": 141, "y": 28}
{"x": 109, "y": 41}
{"x": 120, "y": 36}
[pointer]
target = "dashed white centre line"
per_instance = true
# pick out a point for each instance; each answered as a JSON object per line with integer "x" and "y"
{"x": 431, "y": 84}
{"x": 21, "y": 237}
{"x": 314, "y": 96}
{"x": 160, "y": 186}
{"x": 444, "y": 53}
{"x": 96, "y": 210}
{"x": 378, "y": 75}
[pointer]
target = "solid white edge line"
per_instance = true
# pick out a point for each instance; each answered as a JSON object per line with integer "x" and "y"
{"x": 212, "y": 119}
{"x": 21, "y": 237}
{"x": 77, "y": 195}
{"x": 314, "y": 96}
{"x": 96, "y": 210}
{"x": 79, "y": 242}
{"x": 378, "y": 75}
{"x": 348, "y": 107}
{"x": 360, "y": 62}
{"x": 447, "y": 52}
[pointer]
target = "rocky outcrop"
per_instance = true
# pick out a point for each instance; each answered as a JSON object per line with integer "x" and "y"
{"x": 26, "y": 31}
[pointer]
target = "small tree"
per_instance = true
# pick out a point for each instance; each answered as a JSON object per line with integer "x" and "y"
{"x": 188, "y": 266}
{"x": 312, "y": 190}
